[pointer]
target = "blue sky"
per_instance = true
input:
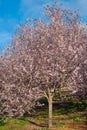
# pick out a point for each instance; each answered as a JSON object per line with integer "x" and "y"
{"x": 14, "y": 12}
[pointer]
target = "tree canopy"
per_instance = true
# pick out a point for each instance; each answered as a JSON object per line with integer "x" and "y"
{"x": 44, "y": 59}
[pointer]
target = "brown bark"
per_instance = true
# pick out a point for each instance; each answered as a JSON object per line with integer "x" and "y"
{"x": 50, "y": 111}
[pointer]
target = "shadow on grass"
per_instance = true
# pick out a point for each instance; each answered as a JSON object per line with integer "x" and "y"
{"x": 36, "y": 124}
{"x": 70, "y": 107}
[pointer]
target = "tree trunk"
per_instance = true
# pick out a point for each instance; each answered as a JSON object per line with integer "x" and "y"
{"x": 50, "y": 111}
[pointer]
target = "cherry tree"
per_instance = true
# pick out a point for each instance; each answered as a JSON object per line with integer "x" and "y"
{"x": 16, "y": 97}
{"x": 82, "y": 70}
{"x": 57, "y": 54}
{"x": 43, "y": 59}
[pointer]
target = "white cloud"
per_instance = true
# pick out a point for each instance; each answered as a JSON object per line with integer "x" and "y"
{"x": 80, "y": 5}
{"x": 33, "y": 9}
{"x": 5, "y": 38}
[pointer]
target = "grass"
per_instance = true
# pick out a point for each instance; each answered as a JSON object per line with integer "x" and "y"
{"x": 68, "y": 116}
{"x": 13, "y": 124}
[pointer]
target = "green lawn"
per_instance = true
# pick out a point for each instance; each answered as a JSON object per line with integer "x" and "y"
{"x": 65, "y": 117}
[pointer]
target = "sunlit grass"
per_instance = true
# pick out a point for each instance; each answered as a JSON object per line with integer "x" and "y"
{"x": 12, "y": 124}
